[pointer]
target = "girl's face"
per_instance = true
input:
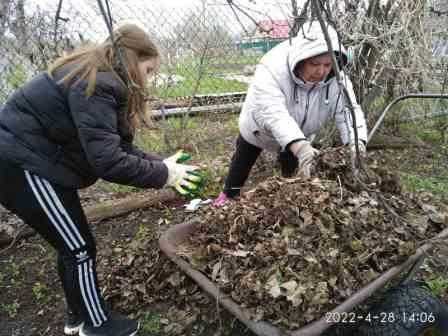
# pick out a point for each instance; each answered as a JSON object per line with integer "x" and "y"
{"x": 148, "y": 67}
{"x": 315, "y": 69}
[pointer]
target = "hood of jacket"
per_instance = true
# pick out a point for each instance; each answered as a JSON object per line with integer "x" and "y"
{"x": 310, "y": 42}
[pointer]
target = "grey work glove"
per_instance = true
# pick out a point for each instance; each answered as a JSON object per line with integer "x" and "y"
{"x": 306, "y": 154}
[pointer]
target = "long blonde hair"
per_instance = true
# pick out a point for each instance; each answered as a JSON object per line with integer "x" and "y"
{"x": 135, "y": 46}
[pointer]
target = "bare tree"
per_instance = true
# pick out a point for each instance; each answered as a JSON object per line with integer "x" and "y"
{"x": 30, "y": 40}
{"x": 390, "y": 41}
{"x": 35, "y": 35}
{"x": 391, "y": 46}
{"x": 5, "y": 6}
{"x": 19, "y": 25}
{"x": 194, "y": 32}
{"x": 196, "y": 42}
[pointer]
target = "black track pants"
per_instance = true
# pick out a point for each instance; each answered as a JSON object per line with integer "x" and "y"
{"x": 243, "y": 160}
{"x": 56, "y": 214}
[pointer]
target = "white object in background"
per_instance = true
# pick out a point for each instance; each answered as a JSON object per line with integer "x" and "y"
{"x": 196, "y": 203}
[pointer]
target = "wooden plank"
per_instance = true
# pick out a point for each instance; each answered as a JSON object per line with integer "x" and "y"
{"x": 196, "y": 110}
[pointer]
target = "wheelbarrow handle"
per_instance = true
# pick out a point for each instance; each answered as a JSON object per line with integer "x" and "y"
{"x": 396, "y": 100}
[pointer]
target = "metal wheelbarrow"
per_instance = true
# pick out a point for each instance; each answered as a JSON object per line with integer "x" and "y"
{"x": 175, "y": 236}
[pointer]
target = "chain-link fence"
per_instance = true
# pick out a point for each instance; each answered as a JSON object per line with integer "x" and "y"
{"x": 210, "y": 48}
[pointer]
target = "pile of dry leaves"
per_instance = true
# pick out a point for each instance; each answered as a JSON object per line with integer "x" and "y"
{"x": 291, "y": 249}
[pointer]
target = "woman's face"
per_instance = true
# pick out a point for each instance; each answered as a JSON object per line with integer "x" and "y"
{"x": 148, "y": 67}
{"x": 315, "y": 69}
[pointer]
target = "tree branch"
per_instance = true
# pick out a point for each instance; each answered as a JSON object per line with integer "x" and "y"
{"x": 260, "y": 27}
{"x": 438, "y": 12}
{"x": 356, "y": 162}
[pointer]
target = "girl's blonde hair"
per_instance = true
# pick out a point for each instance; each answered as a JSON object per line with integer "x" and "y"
{"x": 135, "y": 46}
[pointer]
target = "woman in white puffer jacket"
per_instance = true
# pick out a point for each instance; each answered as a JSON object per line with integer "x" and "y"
{"x": 293, "y": 94}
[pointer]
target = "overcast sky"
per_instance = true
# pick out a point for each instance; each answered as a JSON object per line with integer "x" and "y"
{"x": 161, "y": 15}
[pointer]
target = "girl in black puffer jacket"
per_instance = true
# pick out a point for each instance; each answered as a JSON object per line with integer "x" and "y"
{"x": 62, "y": 131}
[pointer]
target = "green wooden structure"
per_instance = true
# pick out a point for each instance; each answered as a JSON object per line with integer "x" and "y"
{"x": 261, "y": 46}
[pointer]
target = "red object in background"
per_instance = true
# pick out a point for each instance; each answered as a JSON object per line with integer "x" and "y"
{"x": 276, "y": 29}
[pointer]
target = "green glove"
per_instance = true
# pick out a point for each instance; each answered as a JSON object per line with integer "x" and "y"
{"x": 191, "y": 185}
{"x": 179, "y": 157}
{"x": 183, "y": 178}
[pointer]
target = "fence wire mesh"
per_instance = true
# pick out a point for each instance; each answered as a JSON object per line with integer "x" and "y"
{"x": 203, "y": 44}
{"x": 210, "y": 49}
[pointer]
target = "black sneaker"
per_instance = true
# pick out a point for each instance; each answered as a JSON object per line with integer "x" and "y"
{"x": 116, "y": 325}
{"x": 73, "y": 323}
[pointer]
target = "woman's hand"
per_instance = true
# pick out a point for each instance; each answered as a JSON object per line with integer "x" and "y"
{"x": 306, "y": 154}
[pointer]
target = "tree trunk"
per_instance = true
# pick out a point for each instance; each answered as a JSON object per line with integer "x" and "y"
{"x": 112, "y": 209}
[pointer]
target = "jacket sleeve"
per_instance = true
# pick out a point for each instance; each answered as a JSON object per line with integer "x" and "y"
{"x": 343, "y": 117}
{"x": 271, "y": 112}
{"x": 96, "y": 120}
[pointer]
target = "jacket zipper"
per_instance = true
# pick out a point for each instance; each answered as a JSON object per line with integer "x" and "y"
{"x": 307, "y": 106}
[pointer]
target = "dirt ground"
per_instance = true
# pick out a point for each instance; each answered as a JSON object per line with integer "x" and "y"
{"x": 165, "y": 300}
{"x": 32, "y": 283}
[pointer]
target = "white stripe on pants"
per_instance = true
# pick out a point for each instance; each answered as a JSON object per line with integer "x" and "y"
{"x": 69, "y": 232}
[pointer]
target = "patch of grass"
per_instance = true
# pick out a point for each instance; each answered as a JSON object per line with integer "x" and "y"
{"x": 12, "y": 276}
{"x": 211, "y": 72}
{"x": 196, "y": 132}
{"x": 430, "y": 135}
{"x": 17, "y": 77}
{"x": 150, "y": 141}
{"x": 210, "y": 81}
{"x": 213, "y": 181}
{"x": 14, "y": 269}
{"x": 150, "y": 324}
{"x": 144, "y": 232}
{"x": 232, "y": 126}
{"x": 41, "y": 293}
{"x": 11, "y": 309}
{"x": 431, "y": 332}
{"x": 422, "y": 118}
{"x": 209, "y": 143}
{"x": 178, "y": 123}
{"x": 171, "y": 132}
{"x": 436, "y": 185}
{"x": 208, "y": 84}
{"x": 438, "y": 286}
{"x": 427, "y": 132}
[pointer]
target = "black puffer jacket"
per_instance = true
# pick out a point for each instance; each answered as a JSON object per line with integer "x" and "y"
{"x": 59, "y": 133}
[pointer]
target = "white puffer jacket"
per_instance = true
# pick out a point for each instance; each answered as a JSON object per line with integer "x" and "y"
{"x": 280, "y": 107}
